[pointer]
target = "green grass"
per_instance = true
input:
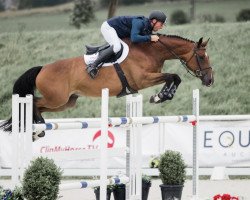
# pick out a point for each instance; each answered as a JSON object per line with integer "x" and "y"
{"x": 22, "y": 48}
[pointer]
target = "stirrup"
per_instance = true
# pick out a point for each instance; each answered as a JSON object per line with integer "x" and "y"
{"x": 92, "y": 71}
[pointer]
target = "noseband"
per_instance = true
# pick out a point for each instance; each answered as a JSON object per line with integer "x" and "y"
{"x": 198, "y": 72}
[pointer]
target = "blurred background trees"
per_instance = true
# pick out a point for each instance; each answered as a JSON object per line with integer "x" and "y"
{"x": 84, "y": 11}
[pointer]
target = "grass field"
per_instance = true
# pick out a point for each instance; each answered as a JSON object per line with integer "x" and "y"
{"x": 31, "y": 40}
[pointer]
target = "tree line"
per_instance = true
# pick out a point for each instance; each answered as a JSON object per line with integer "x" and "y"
{"x": 27, "y": 4}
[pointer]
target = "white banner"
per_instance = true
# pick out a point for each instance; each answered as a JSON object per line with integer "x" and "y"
{"x": 220, "y": 143}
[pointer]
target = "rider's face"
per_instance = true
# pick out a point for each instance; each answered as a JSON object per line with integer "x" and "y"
{"x": 157, "y": 25}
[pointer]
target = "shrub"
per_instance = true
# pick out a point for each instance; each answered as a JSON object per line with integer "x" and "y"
{"x": 179, "y": 17}
{"x": 206, "y": 18}
{"x": 83, "y": 13}
{"x": 244, "y": 15}
{"x": 172, "y": 168}
{"x": 146, "y": 179}
{"x": 211, "y": 18}
{"x": 7, "y": 194}
{"x": 219, "y": 18}
{"x": 154, "y": 163}
{"x": 41, "y": 180}
{"x": 17, "y": 194}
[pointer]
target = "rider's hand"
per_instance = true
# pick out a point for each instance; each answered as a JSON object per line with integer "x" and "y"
{"x": 154, "y": 38}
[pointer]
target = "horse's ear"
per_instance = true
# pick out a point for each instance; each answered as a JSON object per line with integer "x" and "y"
{"x": 200, "y": 42}
{"x": 204, "y": 44}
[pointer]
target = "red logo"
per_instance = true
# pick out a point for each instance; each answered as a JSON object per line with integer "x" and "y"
{"x": 110, "y": 136}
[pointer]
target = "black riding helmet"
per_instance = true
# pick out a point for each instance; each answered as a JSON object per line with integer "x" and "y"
{"x": 158, "y": 15}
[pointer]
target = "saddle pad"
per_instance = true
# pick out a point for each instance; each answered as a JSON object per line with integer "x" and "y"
{"x": 91, "y": 58}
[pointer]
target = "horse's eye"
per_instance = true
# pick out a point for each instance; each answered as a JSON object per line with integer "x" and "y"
{"x": 202, "y": 57}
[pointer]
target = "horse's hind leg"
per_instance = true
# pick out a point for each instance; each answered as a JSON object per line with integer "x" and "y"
{"x": 70, "y": 103}
{"x": 42, "y": 106}
{"x": 37, "y": 118}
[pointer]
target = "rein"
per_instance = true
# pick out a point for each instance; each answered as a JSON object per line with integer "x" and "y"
{"x": 198, "y": 72}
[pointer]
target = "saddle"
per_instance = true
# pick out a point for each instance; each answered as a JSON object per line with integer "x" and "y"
{"x": 92, "y": 53}
{"x": 94, "y": 50}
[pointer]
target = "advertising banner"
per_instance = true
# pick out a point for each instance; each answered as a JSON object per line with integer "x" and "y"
{"x": 221, "y": 143}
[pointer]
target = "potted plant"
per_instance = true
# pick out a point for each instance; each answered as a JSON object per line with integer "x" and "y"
{"x": 7, "y": 194}
{"x": 146, "y": 184}
{"x": 172, "y": 170}
{"x": 119, "y": 191}
{"x": 41, "y": 180}
{"x": 109, "y": 191}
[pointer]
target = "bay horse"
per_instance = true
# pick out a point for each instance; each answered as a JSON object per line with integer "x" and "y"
{"x": 62, "y": 82}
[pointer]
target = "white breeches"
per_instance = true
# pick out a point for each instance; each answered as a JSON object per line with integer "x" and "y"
{"x": 111, "y": 37}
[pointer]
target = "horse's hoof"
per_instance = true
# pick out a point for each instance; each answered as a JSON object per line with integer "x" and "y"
{"x": 151, "y": 100}
{"x": 154, "y": 99}
{"x": 38, "y": 136}
{"x": 42, "y": 134}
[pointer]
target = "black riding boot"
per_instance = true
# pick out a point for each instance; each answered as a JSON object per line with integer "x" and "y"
{"x": 94, "y": 67}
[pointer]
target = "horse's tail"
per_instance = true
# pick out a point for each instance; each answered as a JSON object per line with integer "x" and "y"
{"x": 24, "y": 85}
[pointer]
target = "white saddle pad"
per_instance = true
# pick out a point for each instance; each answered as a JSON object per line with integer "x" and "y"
{"x": 91, "y": 58}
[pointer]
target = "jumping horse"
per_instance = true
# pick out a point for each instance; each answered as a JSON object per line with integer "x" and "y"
{"x": 62, "y": 82}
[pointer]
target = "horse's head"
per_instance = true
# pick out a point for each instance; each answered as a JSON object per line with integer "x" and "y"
{"x": 192, "y": 55}
{"x": 198, "y": 62}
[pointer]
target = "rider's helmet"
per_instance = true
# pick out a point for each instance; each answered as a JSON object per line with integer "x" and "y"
{"x": 158, "y": 15}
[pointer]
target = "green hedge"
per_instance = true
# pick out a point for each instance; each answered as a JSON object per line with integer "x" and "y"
{"x": 244, "y": 15}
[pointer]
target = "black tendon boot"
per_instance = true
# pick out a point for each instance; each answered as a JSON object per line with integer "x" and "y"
{"x": 94, "y": 67}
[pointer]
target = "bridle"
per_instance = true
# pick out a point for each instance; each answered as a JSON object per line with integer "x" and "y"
{"x": 196, "y": 73}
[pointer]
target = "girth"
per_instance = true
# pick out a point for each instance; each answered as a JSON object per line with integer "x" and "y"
{"x": 126, "y": 89}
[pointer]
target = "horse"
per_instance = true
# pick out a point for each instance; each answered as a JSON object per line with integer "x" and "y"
{"x": 62, "y": 82}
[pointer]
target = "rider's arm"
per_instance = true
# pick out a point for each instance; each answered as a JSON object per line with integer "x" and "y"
{"x": 137, "y": 26}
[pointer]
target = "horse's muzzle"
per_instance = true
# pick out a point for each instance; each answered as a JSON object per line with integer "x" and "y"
{"x": 208, "y": 80}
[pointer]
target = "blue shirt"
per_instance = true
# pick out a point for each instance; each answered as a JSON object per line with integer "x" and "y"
{"x": 137, "y": 28}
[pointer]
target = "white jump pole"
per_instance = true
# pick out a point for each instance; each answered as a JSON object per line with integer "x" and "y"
{"x": 195, "y": 144}
{"x": 93, "y": 183}
{"x": 103, "y": 146}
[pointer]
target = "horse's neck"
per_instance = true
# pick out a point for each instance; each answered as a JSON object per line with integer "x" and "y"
{"x": 179, "y": 46}
{"x": 156, "y": 53}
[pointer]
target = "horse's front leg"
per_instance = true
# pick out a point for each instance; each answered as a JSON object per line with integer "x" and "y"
{"x": 172, "y": 82}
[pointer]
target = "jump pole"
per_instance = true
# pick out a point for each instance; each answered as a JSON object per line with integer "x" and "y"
{"x": 93, "y": 183}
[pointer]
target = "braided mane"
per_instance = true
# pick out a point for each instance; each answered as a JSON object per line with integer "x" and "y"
{"x": 176, "y": 36}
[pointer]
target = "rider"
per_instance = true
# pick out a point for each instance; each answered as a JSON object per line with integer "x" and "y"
{"x": 137, "y": 28}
